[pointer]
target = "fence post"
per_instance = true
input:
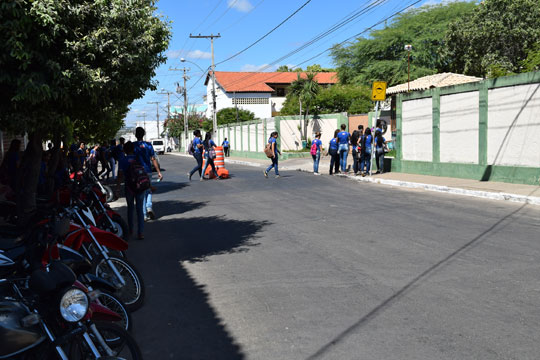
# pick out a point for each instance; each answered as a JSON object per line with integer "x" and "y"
{"x": 483, "y": 123}
{"x": 436, "y": 122}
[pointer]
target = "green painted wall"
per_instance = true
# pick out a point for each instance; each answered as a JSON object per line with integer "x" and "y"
{"x": 481, "y": 171}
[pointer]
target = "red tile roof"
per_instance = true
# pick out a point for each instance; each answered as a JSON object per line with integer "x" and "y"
{"x": 259, "y": 81}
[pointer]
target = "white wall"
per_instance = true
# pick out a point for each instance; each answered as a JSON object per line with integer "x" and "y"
{"x": 514, "y": 126}
{"x": 417, "y": 132}
{"x": 459, "y": 128}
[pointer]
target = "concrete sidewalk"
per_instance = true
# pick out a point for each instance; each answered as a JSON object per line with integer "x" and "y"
{"x": 527, "y": 194}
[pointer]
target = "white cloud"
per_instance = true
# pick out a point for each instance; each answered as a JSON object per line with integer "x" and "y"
{"x": 256, "y": 68}
{"x": 198, "y": 54}
{"x": 240, "y": 5}
{"x": 174, "y": 54}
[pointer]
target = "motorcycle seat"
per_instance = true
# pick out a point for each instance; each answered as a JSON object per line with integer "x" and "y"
{"x": 7, "y": 243}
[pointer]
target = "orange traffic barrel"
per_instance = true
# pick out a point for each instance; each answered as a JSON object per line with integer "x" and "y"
{"x": 219, "y": 161}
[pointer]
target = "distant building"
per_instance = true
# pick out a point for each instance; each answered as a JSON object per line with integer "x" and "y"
{"x": 262, "y": 93}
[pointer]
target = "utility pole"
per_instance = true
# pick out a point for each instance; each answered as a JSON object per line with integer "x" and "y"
{"x": 144, "y": 121}
{"x": 157, "y": 114}
{"x": 211, "y": 37}
{"x": 184, "y": 92}
{"x": 168, "y": 93}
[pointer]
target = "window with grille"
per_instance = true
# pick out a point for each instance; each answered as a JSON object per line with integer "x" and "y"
{"x": 250, "y": 101}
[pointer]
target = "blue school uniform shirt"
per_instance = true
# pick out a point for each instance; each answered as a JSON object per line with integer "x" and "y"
{"x": 226, "y": 143}
{"x": 333, "y": 144}
{"x": 144, "y": 151}
{"x": 368, "y": 143}
{"x": 196, "y": 142}
{"x": 343, "y": 137}
{"x": 123, "y": 164}
{"x": 210, "y": 143}
{"x": 318, "y": 142}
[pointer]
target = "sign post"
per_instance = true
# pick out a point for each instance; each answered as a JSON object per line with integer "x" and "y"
{"x": 378, "y": 94}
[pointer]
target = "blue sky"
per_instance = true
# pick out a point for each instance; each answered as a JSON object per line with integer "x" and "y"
{"x": 242, "y": 22}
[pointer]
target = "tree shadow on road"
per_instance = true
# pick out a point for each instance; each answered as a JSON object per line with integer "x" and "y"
{"x": 164, "y": 208}
{"x": 167, "y": 186}
{"x": 178, "y": 320}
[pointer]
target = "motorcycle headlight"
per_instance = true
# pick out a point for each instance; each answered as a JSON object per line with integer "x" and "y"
{"x": 74, "y": 305}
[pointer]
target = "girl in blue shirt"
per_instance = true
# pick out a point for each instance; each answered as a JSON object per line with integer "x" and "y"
{"x": 333, "y": 152}
{"x": 343, "y": 138}
{"x": 273, "y": 140}
{"x": 209, "y": 144}
{"x": 197, "y": 154}
{"x": 317, "y": 157}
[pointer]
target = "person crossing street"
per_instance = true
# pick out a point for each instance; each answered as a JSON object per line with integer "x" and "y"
{"x": 144, "y": 151}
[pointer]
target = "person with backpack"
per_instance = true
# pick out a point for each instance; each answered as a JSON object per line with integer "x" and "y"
{"x": 343, "y": 149}
{"x": 195, "y": 148}
{"x": 144, "y": 151}
{"x": 272, "y": 143}
{"x": 209, "y": 154}
{"x": 334, "y": 155}
{"x": 366, "y": 152}
{"x": 315, "y": 151}
{"x": 130, "y": 171}
{"x": 226, "y": 146}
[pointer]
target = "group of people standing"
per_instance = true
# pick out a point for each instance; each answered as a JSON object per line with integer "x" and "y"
{"x": 197, "y": 147}
{"x": 361, "y": 144}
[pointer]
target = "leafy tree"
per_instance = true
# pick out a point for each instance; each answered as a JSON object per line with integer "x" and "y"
{"x": 228, "y": 116}
{"x": 381, "y": 56}
{"x": 175, "y": 124}
{"x": 283, "y": 68}
{"x": 317, "y": 68}
{"x": 73, "y": 67}
{"x": 306, "y": 90}
{"x": 495, "y": 39}
{"x": 532, "y": 62}
{"x": 334, "y": 99}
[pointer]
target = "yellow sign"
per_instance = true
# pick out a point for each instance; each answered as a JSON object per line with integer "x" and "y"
{"x": 378, "y": 93}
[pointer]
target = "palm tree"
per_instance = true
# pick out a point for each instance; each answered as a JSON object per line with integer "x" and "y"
{"x": 306, "y": 90}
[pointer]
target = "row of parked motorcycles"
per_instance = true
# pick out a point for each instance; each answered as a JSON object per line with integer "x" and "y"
{"x": 66, "y": 287}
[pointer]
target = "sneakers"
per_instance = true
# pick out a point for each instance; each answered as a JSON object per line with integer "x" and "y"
{"x": 146, "y": 218}
{"x": 202, "y": 178}
{"x": 277, "y": 176}
{"x": 189, "y": 176}
{"x": 151, "y": 214}
{"x": 316, "y": 173}
{"x": 265, "y": 173}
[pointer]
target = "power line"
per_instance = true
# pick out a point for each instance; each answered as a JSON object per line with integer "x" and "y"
{"x": 265, "y": 35}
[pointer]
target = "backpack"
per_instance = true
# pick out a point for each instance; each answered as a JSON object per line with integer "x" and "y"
{"x": 268, "y": 150}
{"x": 137, "y": 179}
{"x": 313, "y": 150}
{"x": 191, "y": 148}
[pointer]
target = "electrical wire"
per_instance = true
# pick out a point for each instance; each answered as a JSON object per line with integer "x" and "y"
{"x": 265, "y": 35}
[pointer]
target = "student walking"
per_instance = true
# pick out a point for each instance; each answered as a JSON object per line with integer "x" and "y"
{"x": 209, "y": 154}
{"x": 334, "y": 155}
{"x": 226, "y": 145}
{"x": 366, "y": 152}
{"x": 316, "y": 148}
{"x": 196, "y": 149}
{"x": 273, "y": 143}
{"x": 343, "y": 149}
{"x": 134, "y": 199}
{"x": 144, "y": 151}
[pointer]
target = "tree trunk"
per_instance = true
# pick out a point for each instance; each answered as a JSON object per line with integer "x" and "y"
{"x": 306, "y": 123}
{"x": 27, "y": 178}
{"x": 300, "y": 115}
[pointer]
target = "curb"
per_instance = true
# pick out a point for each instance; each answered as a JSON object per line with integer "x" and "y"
{"x": 523, "y": 199}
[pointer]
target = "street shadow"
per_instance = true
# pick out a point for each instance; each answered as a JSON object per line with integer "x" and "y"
{"x": 164, "y": 208}
{"x": 179, "y": 320}
{"x": 168, "y": 186}
{"x": 413, "y": 284}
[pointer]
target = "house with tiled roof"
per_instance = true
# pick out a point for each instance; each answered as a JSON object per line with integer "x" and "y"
{"x": 263, "y": 93}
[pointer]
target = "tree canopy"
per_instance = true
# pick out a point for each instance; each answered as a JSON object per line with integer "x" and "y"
{"x": 499, "y": 37}
{"x": 76, "y": 65}
{"x": 381, "y": 56}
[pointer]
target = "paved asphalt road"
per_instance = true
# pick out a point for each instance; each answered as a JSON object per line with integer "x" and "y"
{"x": 319, "y": 267}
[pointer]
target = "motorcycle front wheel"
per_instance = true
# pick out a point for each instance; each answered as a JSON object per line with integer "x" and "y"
{"x": 133, "y": 292}
{"x": 109, "y": 193}
{"x": 116, "y": 338}
{"x": 111, "y": 302}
